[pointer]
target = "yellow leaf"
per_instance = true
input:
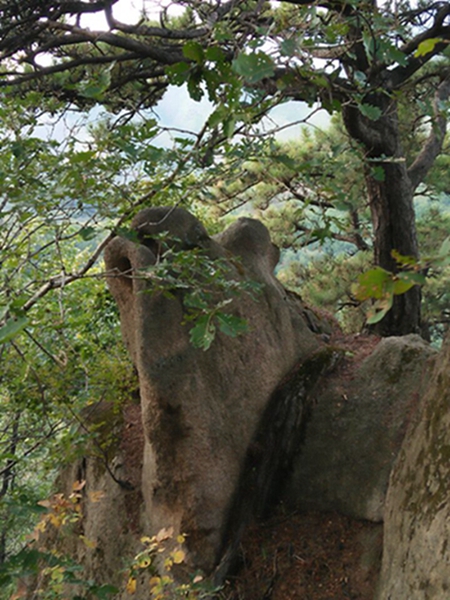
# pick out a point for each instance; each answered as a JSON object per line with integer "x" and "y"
{"x": 41, "y": 526}
{"x": 146, "y": 540}
{"x": 55, "y": 521}
{"x": 96, "y": 496}
{"x": 164, "y": 534}
{"x": 426, "y": 46}
{"x": 181, "y": 539}
{"x": 92, "y": 544}
{"x": 131, "y": 585}
{"x": 144, "y": 562}
{"x": 178, "y": 556}
{"x": 78, "y": 485}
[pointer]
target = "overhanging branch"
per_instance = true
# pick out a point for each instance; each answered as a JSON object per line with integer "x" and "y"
{"x": 433, "y": 145}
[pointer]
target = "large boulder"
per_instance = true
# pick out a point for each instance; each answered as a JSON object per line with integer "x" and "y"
{"x": 416, "y": 557}
{"x": 356, "y": 426}
{"x": 201, "y": 410}
{"x": 213, "y": 439}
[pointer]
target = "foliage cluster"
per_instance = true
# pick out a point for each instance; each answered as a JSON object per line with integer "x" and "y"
{"x": 162, "y": 554}
{"x": 206, "y": 286}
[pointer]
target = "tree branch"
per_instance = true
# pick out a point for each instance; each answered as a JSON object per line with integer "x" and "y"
{"x": 395, "y": 78}
{"x": 340, "y": 6}
{"x": 356, "y": 239}
{"x": 166, "y": 56}
{"x": 433, "y": 145}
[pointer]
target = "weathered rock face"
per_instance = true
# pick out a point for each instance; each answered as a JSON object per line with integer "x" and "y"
{"x": 200, "y": 409}
{"x": 107, "y": 481}
{"x": 416, "y": 559}
{"x": 356, "y": 426}
{"x": 216, "y": 431}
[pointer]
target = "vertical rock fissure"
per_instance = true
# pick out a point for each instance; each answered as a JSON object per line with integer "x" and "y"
{"x": 270, "y": 455}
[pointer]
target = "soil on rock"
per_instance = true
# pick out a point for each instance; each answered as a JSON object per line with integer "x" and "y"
{"x": 311, "y": 556}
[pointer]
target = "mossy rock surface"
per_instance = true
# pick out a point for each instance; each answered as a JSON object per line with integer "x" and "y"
{"x": 416, "y": 561}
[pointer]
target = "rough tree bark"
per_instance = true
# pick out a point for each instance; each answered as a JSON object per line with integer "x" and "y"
{"x": 390, "y": 198}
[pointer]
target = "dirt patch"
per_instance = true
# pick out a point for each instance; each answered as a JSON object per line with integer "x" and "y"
{"x": 357, "y": 348}
{"x": 311, "y": 556}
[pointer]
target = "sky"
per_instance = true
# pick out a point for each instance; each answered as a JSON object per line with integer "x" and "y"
{"x": 178, "y": 110}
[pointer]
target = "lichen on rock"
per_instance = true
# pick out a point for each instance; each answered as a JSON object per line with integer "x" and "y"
{"x": 416, "y": 559}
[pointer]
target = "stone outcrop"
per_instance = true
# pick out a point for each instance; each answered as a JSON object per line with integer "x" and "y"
{"x": 356, "y": 426}
{"x": 218, "y": 435}
{"x": 201, "y": 410}
{"x": 416, "y": 560}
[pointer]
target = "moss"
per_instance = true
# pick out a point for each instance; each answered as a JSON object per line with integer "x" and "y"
{"x": 408, "y": 356}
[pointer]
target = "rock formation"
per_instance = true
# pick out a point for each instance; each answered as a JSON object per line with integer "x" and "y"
{"x": 358, "y": 421}
{"x": 220, "y": 435}
{"x": 200, "y": 410}
{"x": 416, "y": 560}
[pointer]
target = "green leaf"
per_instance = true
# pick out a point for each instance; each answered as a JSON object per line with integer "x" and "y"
{"x": 394, "y": 54}
{"x": 178, "y": 73}
{"x": 288, "y": 47}
{"x": 203, "y": 332}
{"x": 253, "y": 67}
{"x": 371, "y": 112}
{"x": 96, "y": 88}
{"x": 218, "y": 116}
{"x": 214, "y": 54}
{"x": 195, "y": 301}
{"x": 426, "y": 47}
{"x": 231, "y": 325}
{"x": 87, "y": 233}
{"x": 372, "y": 284}
{"x": 378, "y": 173}
{"x": 379, "y": 310}
{"x": 409, "y": 261}
{"x": 18, "y": 148}
{"x": 103, "y": 592}
{"x": 12, "y": 328}
{"x": 407, "y": 279}
{"x": 229, "y": 126}
{"x": 444, "y": 250}
{"x": 370, "y": 44}
{"x": 194, "y": 51}
{"x": 285, "y": 160}
{"x": 413, "y": 277}
{"x": 81, "y": 157}
{"x": 194, "y": 86}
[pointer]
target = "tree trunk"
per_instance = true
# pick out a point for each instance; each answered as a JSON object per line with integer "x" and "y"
{"x": 390, "y": 195}
{"x": 393, "y": 219}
